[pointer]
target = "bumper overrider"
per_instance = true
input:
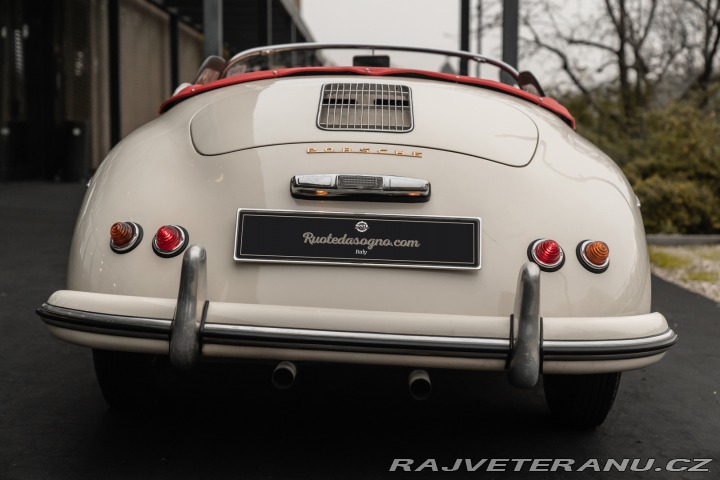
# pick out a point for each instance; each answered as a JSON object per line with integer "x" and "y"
{"x": 523, "y": 343}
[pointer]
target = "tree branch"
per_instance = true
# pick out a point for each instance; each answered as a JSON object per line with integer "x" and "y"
{"x": 567, "y": 68}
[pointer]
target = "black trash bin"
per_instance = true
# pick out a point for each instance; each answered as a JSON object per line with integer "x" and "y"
{"x": 76, "y": 162}
{"x": 4, "y": 152}
{"x": 12, "y": 150}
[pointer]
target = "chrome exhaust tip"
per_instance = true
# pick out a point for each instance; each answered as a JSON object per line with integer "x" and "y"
{"x": 419, "y": 383}
{"x": 284, "y": 375}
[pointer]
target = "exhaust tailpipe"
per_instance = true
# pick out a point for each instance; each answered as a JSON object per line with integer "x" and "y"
{"x": 284, "y": 375}
{"x": 420, "y": 386}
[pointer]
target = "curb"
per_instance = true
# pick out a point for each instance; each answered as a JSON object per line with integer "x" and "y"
{"x": 674, "y": 239}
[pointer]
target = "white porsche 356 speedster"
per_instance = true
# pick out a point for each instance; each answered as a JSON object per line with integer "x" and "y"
{"x": 284, "y": 210}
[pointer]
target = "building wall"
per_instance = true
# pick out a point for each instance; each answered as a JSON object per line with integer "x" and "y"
{"x": 190, "y": 53}
{"x": 84, "y": 106}
{"x": 78, "y": 75}
{"x": 144, "y": 63}
{"x": 99, "y": 133}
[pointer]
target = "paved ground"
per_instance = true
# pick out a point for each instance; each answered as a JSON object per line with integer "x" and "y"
{"x": 55, "y": 425}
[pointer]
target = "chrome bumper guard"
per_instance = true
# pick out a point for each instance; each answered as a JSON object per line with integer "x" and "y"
{"x": 525, "y": 335}
{"x": 190, "y": 311}
{"x": 523, "y": 351}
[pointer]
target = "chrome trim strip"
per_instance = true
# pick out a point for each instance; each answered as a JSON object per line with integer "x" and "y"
{"x": 154, "y": 328}
{"x": 357, "y": 342}
{"x": 221, "y": 330}
{"x": 525, "y": 356}
{"x": 190, "y": 310}
{"x": 560, "y": 345}
{"x": 79, "y": 319}
{"x": 246, "y": 335}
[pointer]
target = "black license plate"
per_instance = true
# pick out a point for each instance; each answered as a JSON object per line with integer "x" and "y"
{"x": 357, "y": 239}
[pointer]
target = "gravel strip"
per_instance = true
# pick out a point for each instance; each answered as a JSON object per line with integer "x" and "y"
{"x": 701, "y": 261}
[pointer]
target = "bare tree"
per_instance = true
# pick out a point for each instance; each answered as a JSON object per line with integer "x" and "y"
{"x": 703, "y": 20}
{"x": 620, "y": 42}
{"x": 623, "y": 55}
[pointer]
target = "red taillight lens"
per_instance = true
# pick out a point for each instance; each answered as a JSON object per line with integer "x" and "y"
{"x": 124, "y": 236}
{"x": 594, "y": 255}
{"x": 170, "y": 240}
{"x": 547, "y": 254}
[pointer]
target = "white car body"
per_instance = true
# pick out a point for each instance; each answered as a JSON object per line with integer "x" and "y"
{"x": 235, "y": 144}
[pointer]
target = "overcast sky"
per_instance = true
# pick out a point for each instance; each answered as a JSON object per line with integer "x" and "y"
{"x": 424, "y": 23}
{"x": 427, "y": 23}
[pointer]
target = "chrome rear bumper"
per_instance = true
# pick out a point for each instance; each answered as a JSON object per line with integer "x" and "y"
{"x": 195, "y": 327}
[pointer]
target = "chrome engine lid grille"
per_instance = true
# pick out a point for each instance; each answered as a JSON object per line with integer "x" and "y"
{"x": 366, "y": 107}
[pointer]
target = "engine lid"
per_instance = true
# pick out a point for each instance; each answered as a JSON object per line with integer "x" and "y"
{"x": 417, "y": 113}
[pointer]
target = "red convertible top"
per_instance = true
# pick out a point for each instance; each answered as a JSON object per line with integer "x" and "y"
{"x": 544, "y": 102}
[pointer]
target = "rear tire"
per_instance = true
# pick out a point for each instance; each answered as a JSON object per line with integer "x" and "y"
{"x": 128, "y": 381}
{"x": 582, "y": 401}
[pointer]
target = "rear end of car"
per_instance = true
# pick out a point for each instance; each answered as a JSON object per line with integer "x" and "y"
{"x": 365, "y": 219}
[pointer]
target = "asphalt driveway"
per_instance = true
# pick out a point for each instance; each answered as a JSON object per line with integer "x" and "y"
{"x": 339, "y": 422}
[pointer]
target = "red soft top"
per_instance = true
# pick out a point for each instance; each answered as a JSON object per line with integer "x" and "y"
{"x": 544, "y": 102}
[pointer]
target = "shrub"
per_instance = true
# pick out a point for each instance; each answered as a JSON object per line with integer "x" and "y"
{"x": 671, "y": 156}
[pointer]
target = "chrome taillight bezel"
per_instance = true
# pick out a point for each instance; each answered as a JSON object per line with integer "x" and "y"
{"x": 589, "y": 266}
{"x": 134, "y": 241}
{"x": 185, "y": 237}
{"x": 544, "y": 266}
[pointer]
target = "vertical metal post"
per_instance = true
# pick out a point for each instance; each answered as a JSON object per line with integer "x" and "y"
{"x": 213, "y": 27}
{"x": 464, "y": 33}
{"x": 478, "y": 49}
{"x": 174, "y": 52}
{"x": 114, "y": 63}
{"x": 510, "y": 36}
{"x": 269, "y": 20}
{"x": 293, "y": 39}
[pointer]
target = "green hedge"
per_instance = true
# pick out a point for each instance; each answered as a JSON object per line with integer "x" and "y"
{"x": 678, "y": 206}
{"x": 671, "y": 156}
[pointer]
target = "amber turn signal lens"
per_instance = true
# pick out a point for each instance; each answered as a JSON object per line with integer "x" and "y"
{"x": 597, "y": 253}
{"x": 124, "y": 236}
{"x": 121, "y": 233}
{"x": 170, "y": 240}
{"x": 594, "y": 255}
{"x": 547, "y": 253}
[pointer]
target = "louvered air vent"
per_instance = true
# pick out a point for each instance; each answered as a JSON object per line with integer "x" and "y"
{"x": 365, "y": 106}
{"x": 359, "y": 181}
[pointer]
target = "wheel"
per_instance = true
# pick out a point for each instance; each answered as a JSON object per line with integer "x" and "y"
{"x": 581, "y": 400}
{"x": 128, "y": 381}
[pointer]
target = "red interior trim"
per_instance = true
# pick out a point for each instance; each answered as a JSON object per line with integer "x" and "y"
{"x": 544, "y": 102}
